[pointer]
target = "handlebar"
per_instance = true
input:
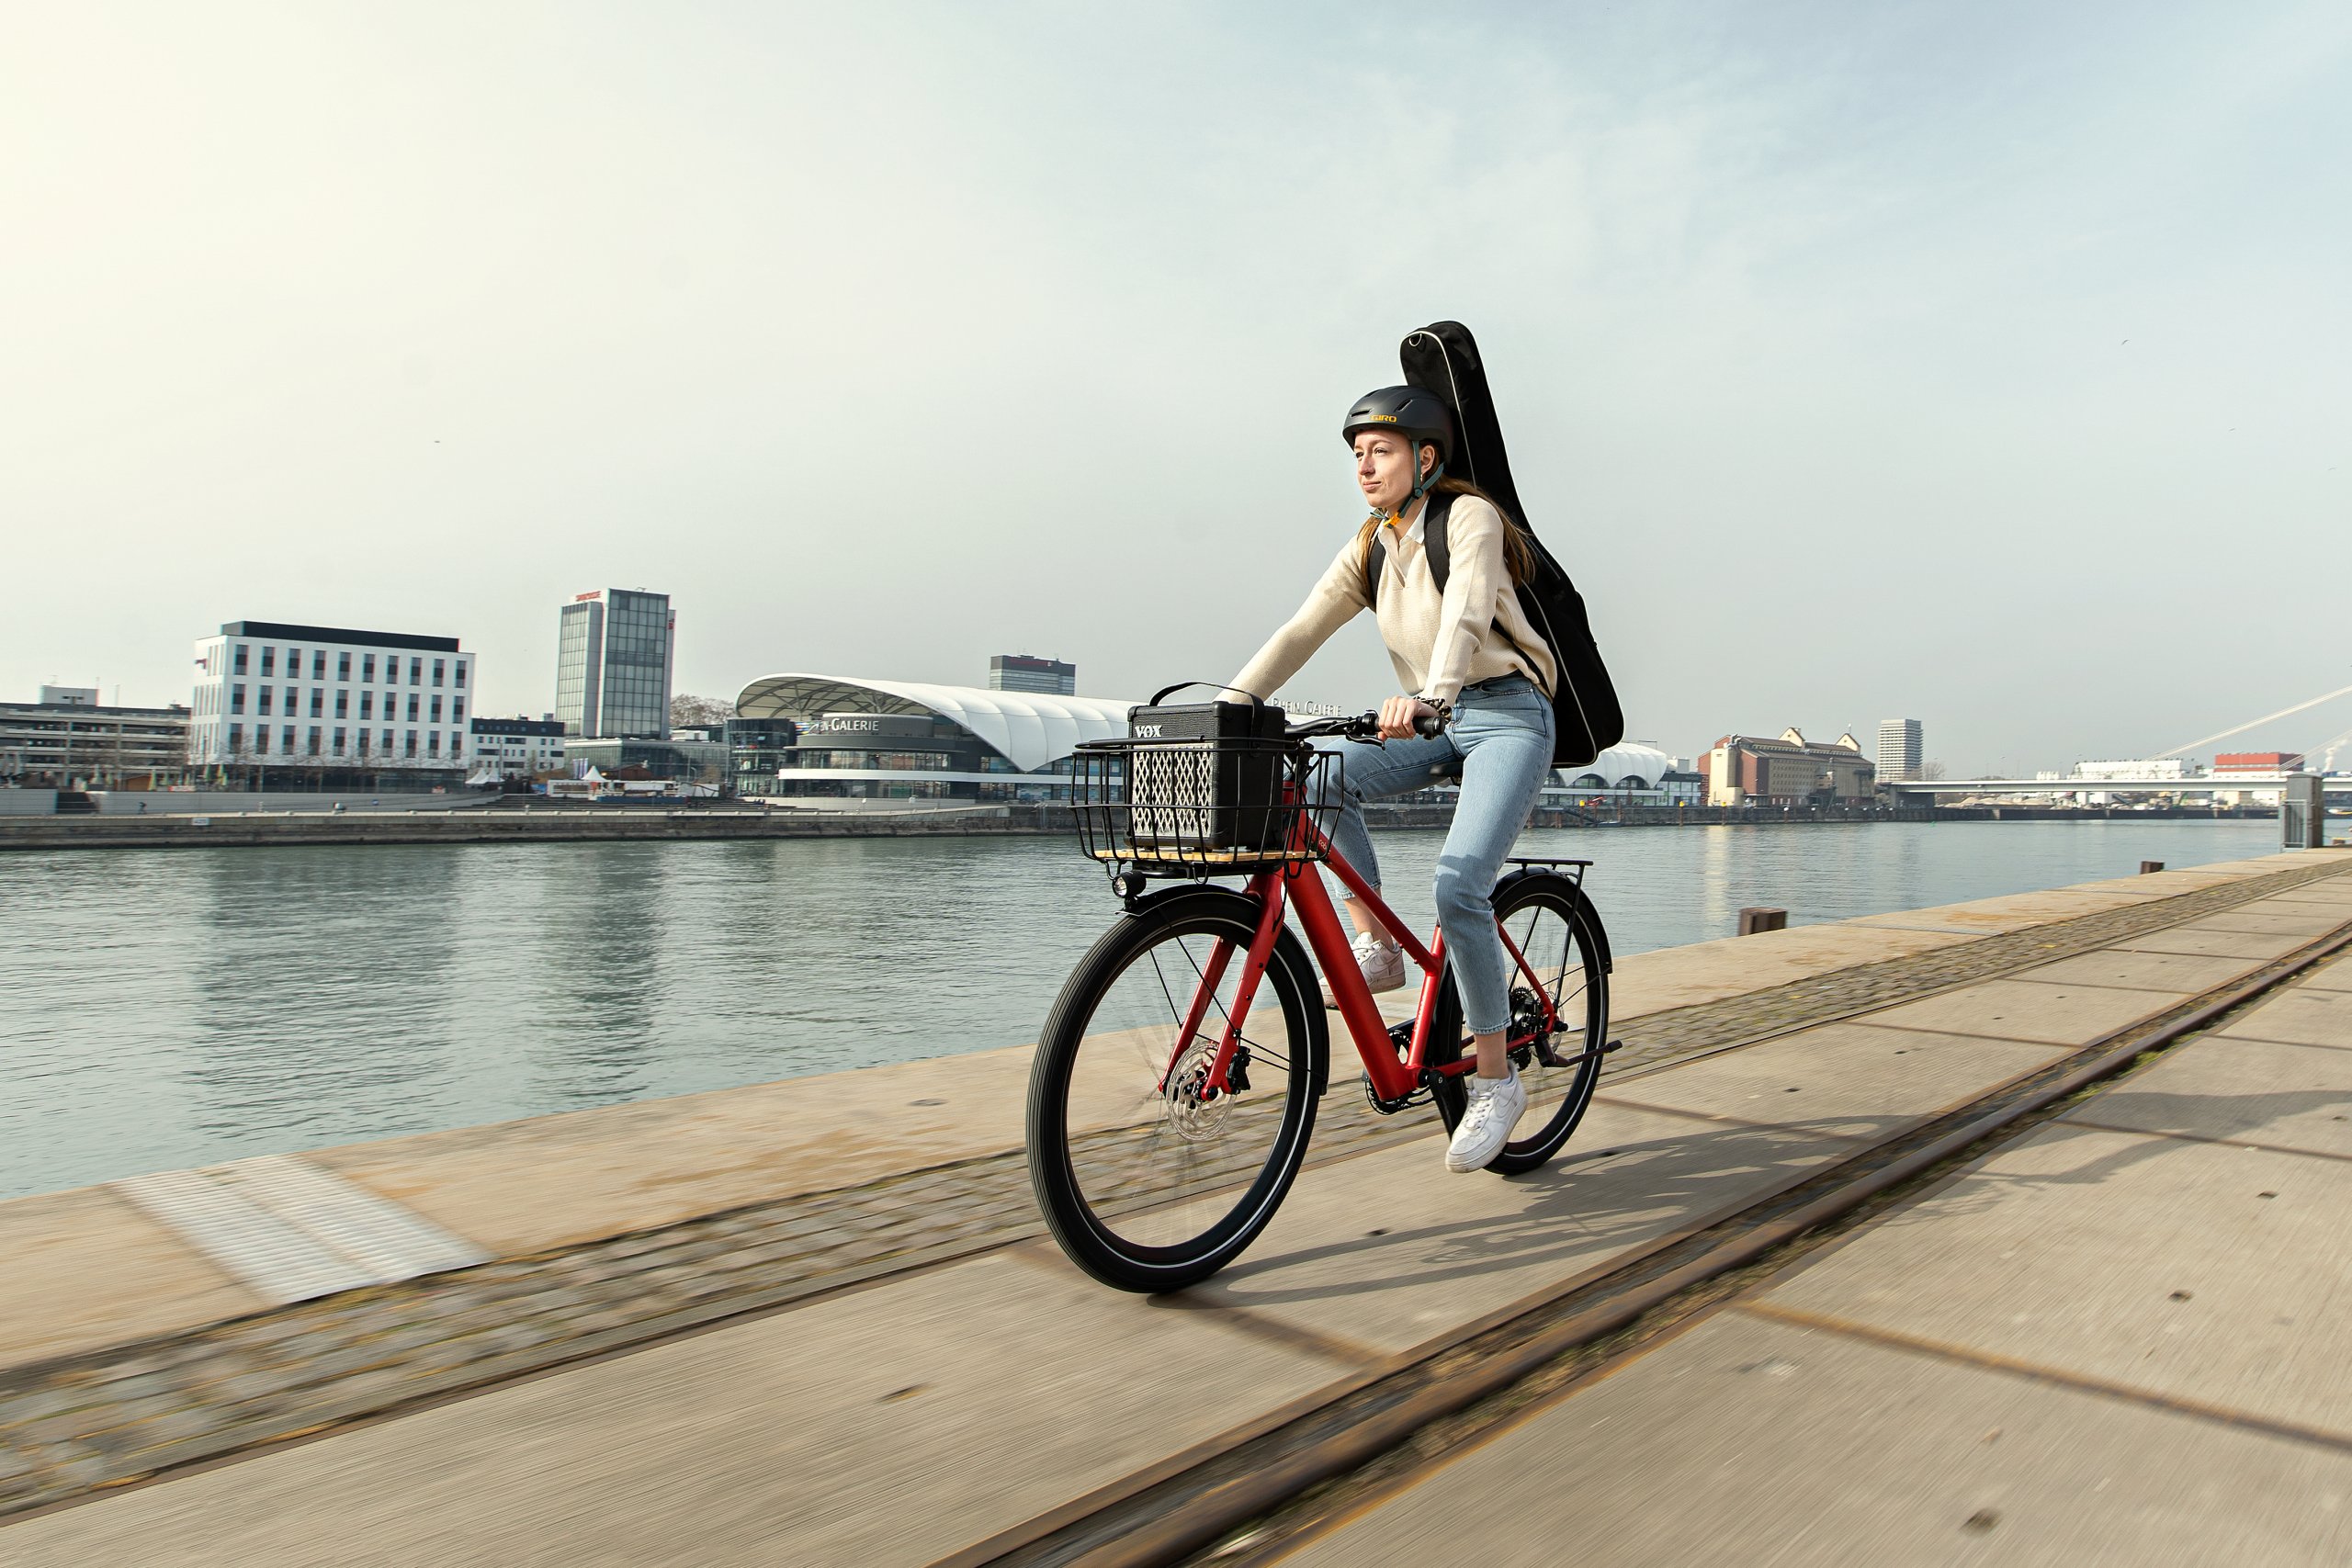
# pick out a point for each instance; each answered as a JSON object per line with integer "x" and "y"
{"x": 1360, "y": 727}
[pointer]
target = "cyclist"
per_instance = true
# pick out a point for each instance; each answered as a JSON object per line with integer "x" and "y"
{"x": 1469, "y": 657}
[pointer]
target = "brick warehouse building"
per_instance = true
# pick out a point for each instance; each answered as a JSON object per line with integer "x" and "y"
{"x": 1748, "y": 770}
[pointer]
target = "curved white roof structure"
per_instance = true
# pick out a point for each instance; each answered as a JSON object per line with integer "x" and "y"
{"x": 1029, "y": 729}
{"x": 1626, "y": 760}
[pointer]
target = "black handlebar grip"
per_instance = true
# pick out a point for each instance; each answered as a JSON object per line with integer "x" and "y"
{"x": 1431, "y": 727}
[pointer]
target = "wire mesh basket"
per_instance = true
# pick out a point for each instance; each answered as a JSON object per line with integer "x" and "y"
{"x": 1198, "y": 807}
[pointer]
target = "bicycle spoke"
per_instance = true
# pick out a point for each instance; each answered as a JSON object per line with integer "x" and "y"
{"x": 1259, "y": 1050}
{"x": 1215, "y": 1001}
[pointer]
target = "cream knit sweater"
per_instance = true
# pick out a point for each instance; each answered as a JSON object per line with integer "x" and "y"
{"x": 1439, "y": 643}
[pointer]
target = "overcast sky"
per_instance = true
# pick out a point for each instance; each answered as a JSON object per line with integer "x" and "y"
{"x": 1985, "y": 363}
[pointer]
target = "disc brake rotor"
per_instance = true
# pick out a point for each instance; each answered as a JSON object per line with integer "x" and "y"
{"x": 1195, "y": 1119}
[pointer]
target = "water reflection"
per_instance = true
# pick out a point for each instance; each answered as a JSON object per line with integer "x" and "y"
{"x": 172, "y": 1008}
{"x": 607, "y": 926}
{"x": 297, "y": 968}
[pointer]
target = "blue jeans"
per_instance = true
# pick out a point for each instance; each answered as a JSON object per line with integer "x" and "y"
{"x": 1500, "y": 746}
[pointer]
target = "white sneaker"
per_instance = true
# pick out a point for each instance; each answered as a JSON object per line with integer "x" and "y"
{"x": 1381, "y": 963}
{"x": 1486, "y": 1121}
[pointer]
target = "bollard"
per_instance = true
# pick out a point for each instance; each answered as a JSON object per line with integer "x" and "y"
{"x": 2148, "y": 865}
{"x": 1757, "y": 917}
{"x": 2302, "y": 812}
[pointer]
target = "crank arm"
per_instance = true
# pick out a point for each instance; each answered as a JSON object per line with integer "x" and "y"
{"x": 1546, "y": 1054}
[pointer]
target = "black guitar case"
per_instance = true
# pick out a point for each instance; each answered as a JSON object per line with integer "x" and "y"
{"x": 1443, "y": 359}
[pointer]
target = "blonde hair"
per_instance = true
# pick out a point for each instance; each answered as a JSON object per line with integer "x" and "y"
{"x": 1519, "y": 558}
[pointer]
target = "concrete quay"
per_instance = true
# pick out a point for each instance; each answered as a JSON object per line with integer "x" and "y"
{"x": 507, "y": 825}
{"x": 894, "y": 1369}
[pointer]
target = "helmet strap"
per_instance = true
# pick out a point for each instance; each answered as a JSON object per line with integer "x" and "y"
{"x": 1421, "y": 487}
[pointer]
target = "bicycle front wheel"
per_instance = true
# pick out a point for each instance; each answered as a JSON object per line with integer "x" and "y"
{"x": 1149, "y": 1182}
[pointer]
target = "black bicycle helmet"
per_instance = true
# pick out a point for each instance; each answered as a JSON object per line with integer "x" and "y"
{"x": 1421, "y": 416}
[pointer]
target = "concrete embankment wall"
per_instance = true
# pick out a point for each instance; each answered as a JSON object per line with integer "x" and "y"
{"x": 503, "y": 825}
{"x": 27, "y": 802}
{"x": 205, "y": 802}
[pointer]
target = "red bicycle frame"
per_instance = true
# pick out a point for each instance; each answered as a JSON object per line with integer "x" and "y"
{"x": 1295, "y": 881}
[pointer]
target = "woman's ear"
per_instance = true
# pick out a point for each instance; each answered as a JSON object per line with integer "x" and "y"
{"x": 1429, "y": 459}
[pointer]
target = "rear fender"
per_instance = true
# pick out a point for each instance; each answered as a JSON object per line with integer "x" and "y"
{"x": 1570, "y": 888}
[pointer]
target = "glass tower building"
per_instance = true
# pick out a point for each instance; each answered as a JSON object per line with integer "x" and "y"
{"x": 614, "y": 653}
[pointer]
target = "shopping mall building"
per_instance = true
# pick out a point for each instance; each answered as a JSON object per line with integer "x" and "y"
{"x": 829, "y": 736}
{"x": 803, "y": 737}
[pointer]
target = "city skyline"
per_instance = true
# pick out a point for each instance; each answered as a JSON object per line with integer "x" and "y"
{"x": 2064, "y": 761}
{"x": 1967, "y": 344}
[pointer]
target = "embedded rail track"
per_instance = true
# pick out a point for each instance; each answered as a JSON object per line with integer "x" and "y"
{"x": 1248, "y": 1498}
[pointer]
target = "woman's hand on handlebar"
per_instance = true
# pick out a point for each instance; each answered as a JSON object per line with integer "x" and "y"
{"x": 1401, "y": 718}
{"x": 1373, "y": 726}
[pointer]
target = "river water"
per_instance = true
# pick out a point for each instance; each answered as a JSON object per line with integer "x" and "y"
{"x": 162, "y": 1009}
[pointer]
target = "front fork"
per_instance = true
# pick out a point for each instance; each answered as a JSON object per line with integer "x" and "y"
{"x": 1223, "y": 1076}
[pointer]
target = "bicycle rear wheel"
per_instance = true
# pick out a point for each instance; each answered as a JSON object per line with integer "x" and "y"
{"x": 1148, "y": 1184}
{"x": 1547, "y": 918}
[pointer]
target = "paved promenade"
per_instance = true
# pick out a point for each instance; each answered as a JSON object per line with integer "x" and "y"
{"x": 895, "y": 1370}
{"x": 2121, "y": 1339}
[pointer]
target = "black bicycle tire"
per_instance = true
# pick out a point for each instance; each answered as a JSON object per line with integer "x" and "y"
{"x": 1522, "y": 1155}
{"x": 1084, "y": 1239}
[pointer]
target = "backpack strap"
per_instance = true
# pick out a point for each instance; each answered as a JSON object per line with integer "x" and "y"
{"x": 1435, "y": 543}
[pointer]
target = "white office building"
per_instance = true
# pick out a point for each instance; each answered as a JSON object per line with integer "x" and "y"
{"x": 1900, "y": 749}
{"x": 513, "y": 748}
{"x": 2137, "y": 768}
{"x": 272, "y": 696}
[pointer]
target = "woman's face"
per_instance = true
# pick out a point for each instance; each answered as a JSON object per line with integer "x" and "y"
{"x": 1386, "y": 467}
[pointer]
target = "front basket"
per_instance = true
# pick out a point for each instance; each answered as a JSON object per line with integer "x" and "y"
{"x": 1201, "y": 808}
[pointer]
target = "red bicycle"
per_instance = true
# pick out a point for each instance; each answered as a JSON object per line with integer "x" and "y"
{"x": 1172, "y": 1099}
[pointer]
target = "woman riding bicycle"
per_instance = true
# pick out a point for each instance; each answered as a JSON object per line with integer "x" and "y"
{"x": 1471, "y": 660}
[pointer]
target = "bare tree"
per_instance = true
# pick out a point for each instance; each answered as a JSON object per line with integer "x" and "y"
{"x": 690, "y": 712}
